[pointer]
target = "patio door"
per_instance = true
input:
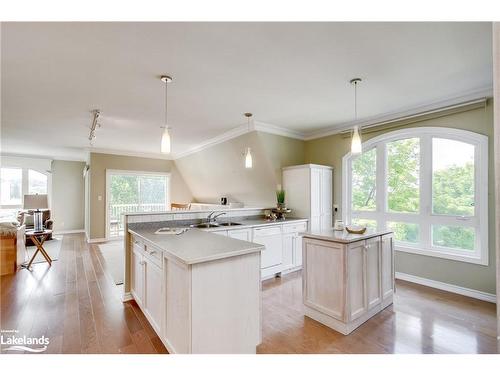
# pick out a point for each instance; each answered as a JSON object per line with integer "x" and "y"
{"x": 129, "y": 192}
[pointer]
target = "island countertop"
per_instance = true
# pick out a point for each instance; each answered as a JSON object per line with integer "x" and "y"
{"x": 197, "y": 246}
{"x": 343, "y": 236}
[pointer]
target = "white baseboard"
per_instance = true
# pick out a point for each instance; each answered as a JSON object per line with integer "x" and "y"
{"x": 483, "y": 296}
{"x": 127, "y": 297}
{"x": 73, "y": 231}
{"x": 94, "y": 240}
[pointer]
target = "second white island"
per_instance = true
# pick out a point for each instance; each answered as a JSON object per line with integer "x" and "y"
{"x": 347, "y": 278}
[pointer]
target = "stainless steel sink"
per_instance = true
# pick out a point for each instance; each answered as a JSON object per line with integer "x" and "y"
{"x": 204, "y": 225}
{"x": 228, "y": 224}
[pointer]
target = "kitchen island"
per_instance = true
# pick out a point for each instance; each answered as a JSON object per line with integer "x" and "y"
{"x": 200, "y": 291}
{"x": 347, "y": 278}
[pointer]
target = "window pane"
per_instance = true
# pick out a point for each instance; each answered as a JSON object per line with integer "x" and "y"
{"x": 452, "y": 177}
{"x": 370, "y": 224}
{"x": 11, "y": 186}
{"x": 37, "y": 182}
{"x": 403, "y": 162}
{"x": 364, "y": 181}
{"x": 152, "y": 195}
{"x": 453, "y": 237}
{"x": 8, "y": 214}
{"x": 405, "y": 232}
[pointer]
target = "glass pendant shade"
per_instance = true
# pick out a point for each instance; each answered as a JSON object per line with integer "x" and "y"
{"x": 165, "y": 141}
{"x": 248, "y": 159}
{"x": 356, "y": 141}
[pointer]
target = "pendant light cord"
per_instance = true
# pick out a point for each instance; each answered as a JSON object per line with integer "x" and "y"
{"x": 166, "y": 103}
{"x": 355, "y": 101}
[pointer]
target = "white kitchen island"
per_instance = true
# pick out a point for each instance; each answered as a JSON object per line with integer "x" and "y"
{"x": 201, "y": 292}
{"x": 347, "y": 278}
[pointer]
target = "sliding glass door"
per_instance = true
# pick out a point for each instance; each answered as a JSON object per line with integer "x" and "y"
{"x": 129, "y": 192}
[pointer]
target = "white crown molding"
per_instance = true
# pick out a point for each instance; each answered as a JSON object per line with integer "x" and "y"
{"x": 278, "y": 130}
{"x": 483, "y": 296}
{"x": 238, "y": 131}
{"x": 226, "y": 136}
{"x": 484, "y": 93}
{"x": 148, "y": 155}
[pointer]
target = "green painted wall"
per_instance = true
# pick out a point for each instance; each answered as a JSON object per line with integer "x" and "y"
{"x": 330, "y": 150}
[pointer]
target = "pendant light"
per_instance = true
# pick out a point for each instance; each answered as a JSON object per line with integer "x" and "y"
{"x": 248, "y": 153}
{"x": 356, "y": 139}
{"x": 165, "y": 137}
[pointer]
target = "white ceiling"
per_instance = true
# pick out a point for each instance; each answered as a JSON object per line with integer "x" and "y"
{"x": 292, "y": 75}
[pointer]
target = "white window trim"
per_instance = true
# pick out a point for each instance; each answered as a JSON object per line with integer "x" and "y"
{"x": 110, "y": 172}
{"x": 479, "y": 221}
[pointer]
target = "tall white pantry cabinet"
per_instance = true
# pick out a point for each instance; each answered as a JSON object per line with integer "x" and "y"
{"x": 308, "y": 192}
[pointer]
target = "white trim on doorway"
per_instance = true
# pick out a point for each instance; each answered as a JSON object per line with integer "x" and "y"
{"x": 110, "y": 172}
{"x": 483, "y": 296}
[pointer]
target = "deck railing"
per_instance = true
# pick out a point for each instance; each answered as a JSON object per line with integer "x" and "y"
{"x": 116, "y": 211}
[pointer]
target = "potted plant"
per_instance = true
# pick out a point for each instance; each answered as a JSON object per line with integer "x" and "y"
{"x": 280, "y": 198}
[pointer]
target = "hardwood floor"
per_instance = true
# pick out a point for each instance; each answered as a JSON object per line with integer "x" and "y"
{"x": 76, "y": 304}
{"x": 421, "y": 320}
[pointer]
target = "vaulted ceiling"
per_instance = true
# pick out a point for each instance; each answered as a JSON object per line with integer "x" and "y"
{"x": 291, "y": 75}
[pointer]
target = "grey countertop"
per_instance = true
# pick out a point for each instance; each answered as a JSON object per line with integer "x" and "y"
{"x": 199, "y": 245}
{"x": 342, "y": 236}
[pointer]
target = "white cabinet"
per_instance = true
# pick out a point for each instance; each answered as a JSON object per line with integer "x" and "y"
{"x": 137, "y": 275}
{"x": 292, "y": 246}
{"x": 308, "y": 192}
{"x": 272, "y": 255}
{"x": 345, "y": 284}
{"x": 288, "y": 251}
{"x": 153, "y": 305}
{"x": 373, "y": 272}
{"x": 146, "y": 282}
{"x": 387, "y": 265}
{"x": 240, "y": 234}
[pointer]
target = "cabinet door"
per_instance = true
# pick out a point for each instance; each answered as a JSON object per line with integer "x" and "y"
{"x": 297, "y": 251}
{"x": 154, "y": 296}
{"x": 326, "y": 191}
{"x": 288, "y": 250}
{"x": 387, "y": 266}
{"x": 270, "y": 237}
{"x": 315, "y": 199}
{"x": 240, "y": 234}
{"x": 373, "y": 272}
{"x": 357, "y": 281}
{"x": 137, "y": 276}
{"x": 326, "y": 221}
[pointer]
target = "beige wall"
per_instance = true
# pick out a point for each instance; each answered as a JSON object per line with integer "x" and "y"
{"x": 179, "y": 192}
{"x": 330, "y": 150}
{"x": 219, "y": 171}
{"x": 67, "y": 195}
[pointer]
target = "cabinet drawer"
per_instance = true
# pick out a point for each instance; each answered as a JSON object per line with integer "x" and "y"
{"x": 294, "y": 228}
{"x": 137, "y": 242}
{"x": 267, "y": 231}
{"x": 153, "y": 254}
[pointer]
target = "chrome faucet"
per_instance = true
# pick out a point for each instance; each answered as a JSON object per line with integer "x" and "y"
{"x": 211, "y": 217}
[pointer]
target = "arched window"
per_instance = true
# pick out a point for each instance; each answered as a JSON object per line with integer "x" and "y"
{"x": 429, "y": 185}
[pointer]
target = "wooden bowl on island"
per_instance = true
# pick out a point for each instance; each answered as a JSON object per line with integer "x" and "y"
{"x": 356, "y": 230}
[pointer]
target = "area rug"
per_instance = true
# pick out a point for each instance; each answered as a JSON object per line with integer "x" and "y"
{"x": 114, "y": 256}
{"x": 52, "y": 247}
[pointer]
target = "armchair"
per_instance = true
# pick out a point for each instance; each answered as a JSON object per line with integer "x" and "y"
{"x": 25, "y": 217}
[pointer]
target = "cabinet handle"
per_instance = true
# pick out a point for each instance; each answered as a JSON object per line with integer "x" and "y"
{"x": 142, "y": 263}
{"x": 152, "y": 252}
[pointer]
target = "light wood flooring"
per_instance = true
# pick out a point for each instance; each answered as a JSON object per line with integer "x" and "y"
{"x": 76, "y": 304}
